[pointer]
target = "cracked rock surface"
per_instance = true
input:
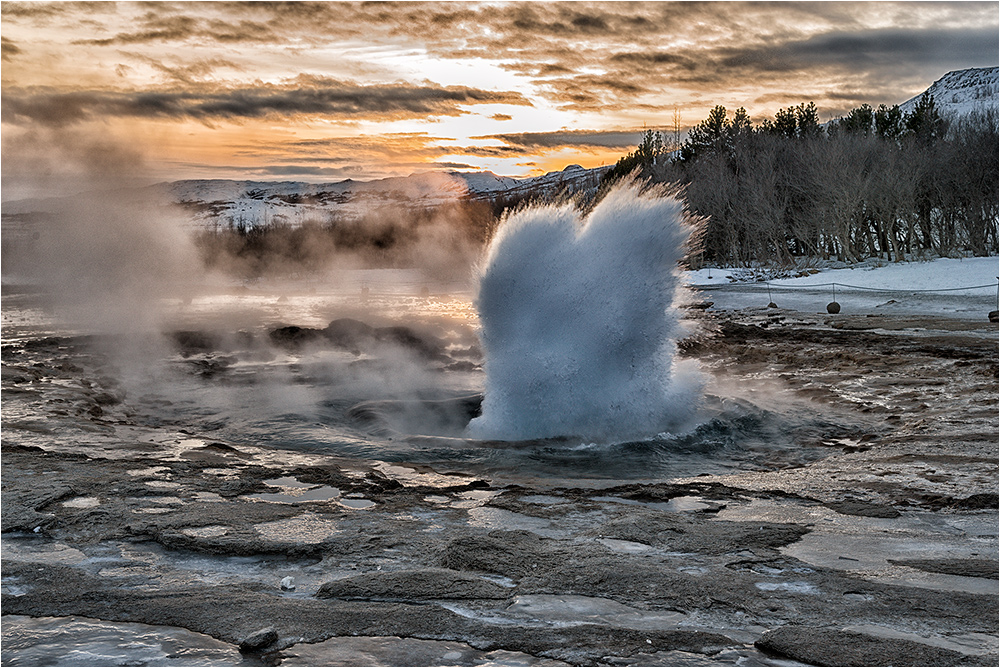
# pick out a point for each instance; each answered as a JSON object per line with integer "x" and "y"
{"x": 878, "y": 548}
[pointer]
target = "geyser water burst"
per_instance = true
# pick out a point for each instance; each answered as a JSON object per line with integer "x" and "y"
{"x": 578, "y": 324}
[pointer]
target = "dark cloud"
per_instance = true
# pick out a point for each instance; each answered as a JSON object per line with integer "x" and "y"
{"x": 530, "y": 141}
{"x": 8, "y": 49}
{"x": 33, "y": 10}
{"x": 349, "y": 171}
{"x": 155, "y": 29}
{"x": 311, "y": 96}
{"x": 864, "y": 49}
{"x": 186, "y": 74}
{"x": 654, "y": 59}
{"x": 501, "y": 117}
{"x": 308, "y": 170}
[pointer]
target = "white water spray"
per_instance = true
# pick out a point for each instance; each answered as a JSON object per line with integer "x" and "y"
{"x": 578, "y": 323}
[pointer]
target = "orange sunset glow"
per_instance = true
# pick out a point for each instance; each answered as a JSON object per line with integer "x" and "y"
{"x": 329, "y": 91}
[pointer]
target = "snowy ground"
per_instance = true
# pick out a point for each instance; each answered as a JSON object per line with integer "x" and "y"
{"x": 958, "y": 288}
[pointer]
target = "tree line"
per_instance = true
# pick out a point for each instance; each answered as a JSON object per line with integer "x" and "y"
{"x": 876, "y": 183}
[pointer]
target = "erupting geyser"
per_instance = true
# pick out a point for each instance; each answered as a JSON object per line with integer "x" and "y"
{"x": 578, "y": 323}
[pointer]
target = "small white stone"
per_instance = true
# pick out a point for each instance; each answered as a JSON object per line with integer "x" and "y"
{"x": 288, "y": 583}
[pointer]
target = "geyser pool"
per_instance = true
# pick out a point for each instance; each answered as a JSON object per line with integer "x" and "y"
{"x": 577, "y": 321}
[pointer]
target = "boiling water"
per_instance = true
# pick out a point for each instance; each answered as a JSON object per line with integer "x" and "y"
{"x": 578, "y": 324}
{"x": 385, "y": 405}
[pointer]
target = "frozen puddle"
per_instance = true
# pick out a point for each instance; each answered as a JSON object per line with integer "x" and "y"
{"x": 294, "y": 491}
{"x": 868, "y": 546}
{"x": 678, "y": 504}
{"x": 82, "y": 502}
{"x": 505, "y": 520}
{"x": 79, "y": 641}
{"x": 575, "y": 610}
{"x": 357, "y": 503}
{"x": 391, "y": 651}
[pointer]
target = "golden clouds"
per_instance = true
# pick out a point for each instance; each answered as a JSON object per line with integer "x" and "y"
{"x": 549, "y": 78}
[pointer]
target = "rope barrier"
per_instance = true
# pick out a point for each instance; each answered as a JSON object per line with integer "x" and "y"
{"x": 852, "y": 287}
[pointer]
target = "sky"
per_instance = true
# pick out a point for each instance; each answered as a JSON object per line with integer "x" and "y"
{"x": 328, "y": 91}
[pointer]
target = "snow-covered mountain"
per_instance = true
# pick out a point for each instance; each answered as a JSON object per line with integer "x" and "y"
{"x": 223, "y": 203}
{"x": 961, "y": 92}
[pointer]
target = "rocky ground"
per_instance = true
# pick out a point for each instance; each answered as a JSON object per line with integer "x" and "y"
{"x": 881, "y": 552}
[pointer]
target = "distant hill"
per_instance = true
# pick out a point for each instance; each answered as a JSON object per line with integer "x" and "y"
{"x": 962, "y": 92}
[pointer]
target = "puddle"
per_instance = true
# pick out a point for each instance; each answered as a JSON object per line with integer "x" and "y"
{"x": 162, "y": 484}
{"x": 357, "y": 504}
{"x": 79, "y": 641}
{"x": 969, "y": 643}
{"x": 411, "y": 476}
{"x": 497, "y": 518}
{"x": 474, "y": 498}
{"x": 577, "y": 610}
{"x": 295, "y": 491}
{"x": 863, "y": 546}
{"x": 206, "y": 532}
{"x": 678, "y": 504}
{"x": 82, "y": 502}
{"x": 391, "y": 651}
{"x": 207, "y": 496}
{"x": 52, "y": 553}
{"x": 791, "y": 587}
{"x": 626, "y": 546}
{"x": 543, "y": 499}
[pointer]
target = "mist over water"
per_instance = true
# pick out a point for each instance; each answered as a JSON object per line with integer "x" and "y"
{"x": 578, "y": 324}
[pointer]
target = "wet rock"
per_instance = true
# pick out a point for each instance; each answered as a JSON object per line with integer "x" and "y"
{"x": 258, "y": 640}
{"x": 349, "y": 334}
{"x": 972, "y": 568}
{"x": 189, "y": 342}
{"x": 295, "y": 337}
{"x": 107, "y": 398}
{"x": 425, "y": 345}
{"x": 396, "y": 651}
{"x": 684, "y": 534}
{"x": 862, "y": 509}
{"x": 424, "y": 584}
{"x": 511, "y": 553}
{"x": 20, "y": 507}
{"x": 833, "y": 647}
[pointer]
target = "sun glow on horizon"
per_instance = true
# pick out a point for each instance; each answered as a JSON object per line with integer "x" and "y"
{"x": 336, "y": 90}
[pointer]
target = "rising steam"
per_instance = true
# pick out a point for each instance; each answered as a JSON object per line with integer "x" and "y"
{"x": 578, "y": 326}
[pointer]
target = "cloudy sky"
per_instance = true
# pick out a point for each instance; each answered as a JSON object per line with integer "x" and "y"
{"x": 328, "y": 91}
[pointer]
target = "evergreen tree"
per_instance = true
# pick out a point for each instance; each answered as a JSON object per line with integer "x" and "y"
{"x": 924, "y": 123}
{"x": 807, "y": 120}
{"x": 889, "y": 122}
{"x": 651, "y": 151}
